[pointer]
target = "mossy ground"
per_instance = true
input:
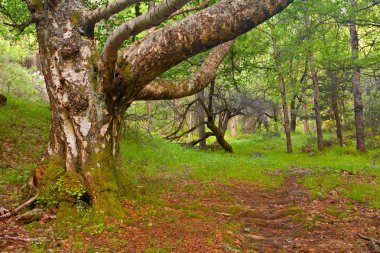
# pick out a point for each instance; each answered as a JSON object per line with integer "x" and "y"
{"x": 171, "y": 182}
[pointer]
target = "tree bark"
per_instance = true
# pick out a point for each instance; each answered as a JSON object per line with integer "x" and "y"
{"x": 233, "y": 127}
{"x": 335, "y": 106}
{"x": 357, "y": 90}
{"x": 190, "y": 126}
{"x": 201, "y": 118}
{"x": 306, "y": 128}
{"x": 317, "y": 111}
{"x": 282, "y": 88}
{"x": 293, "y": 114}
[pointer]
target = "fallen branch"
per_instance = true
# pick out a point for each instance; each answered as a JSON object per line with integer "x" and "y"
{"x": 19, "y": 208}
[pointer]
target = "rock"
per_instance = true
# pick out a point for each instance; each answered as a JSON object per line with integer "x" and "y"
{"x": 33, "y": 215}
{"x": 3, "y": 100}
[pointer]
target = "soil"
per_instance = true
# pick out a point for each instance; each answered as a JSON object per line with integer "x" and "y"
{"x": 217, "y": 217}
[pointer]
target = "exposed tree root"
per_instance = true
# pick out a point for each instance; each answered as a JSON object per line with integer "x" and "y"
{"x": 369, "y": 239}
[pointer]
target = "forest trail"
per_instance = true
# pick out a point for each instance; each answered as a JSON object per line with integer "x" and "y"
{"x": 286, "y": 219}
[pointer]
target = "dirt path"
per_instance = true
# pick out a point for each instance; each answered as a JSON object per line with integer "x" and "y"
{"x": 288, "y": 220}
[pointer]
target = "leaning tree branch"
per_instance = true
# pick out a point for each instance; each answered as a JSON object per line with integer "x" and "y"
{"x": 169, "y": 89}
{"x": 224, "y": 21}
{"x": 139, "y": 24}
{"x": 109, "y": 10}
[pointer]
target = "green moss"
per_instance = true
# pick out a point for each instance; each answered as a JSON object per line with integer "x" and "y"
{"x": 70, "y": 187}
{"x": 126, "y": 70}
{"x": 38, "y": 4}
{"x": 75, "y": 17}
{"x": 48, "y": 189}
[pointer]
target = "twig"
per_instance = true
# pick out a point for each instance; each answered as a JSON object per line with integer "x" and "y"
{"x": 19, "y": 208}
{"x": 224, "y": 214}
{"x": 24, "y": 239}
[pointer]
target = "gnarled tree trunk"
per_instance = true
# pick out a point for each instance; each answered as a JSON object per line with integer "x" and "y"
{"x": 89, "y": 92}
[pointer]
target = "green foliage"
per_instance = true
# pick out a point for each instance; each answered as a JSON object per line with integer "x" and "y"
{"x": 14, "y": 78}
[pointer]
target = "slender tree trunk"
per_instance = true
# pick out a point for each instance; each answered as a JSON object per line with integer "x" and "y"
{"x": 357, "y": 90}
{"x": 149, "y": 122}
{"x": 317, "y": 111}
{"x": 234, "y": 127}
{"x": 282, "y": 88}
{"x": 293, "y": 114}
{"x": 190, "y": 126}
{"x": 201, "y": 118}
{"x": 335, "y": 107}
{"x": 306, "y": 127}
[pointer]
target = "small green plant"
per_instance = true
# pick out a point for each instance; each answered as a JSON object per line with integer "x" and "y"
{"x": 70, "y": 185}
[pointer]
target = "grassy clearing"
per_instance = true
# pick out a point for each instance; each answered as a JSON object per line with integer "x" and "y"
{"x": 156, "y": 164}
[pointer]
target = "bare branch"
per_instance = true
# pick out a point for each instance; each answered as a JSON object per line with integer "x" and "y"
{"x": 139, "y": 24}
{"x": 368, "y": 7}
{"x": 168, "y": 89}
{"x": 21, "y": 27}
{"x": 190, "y": 9}
{"x": 109, "y": 10}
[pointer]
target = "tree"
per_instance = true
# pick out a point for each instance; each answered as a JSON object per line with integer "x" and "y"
{"x": 357, "y": 90}
{"x": 282, "y": 88}
{"x": 89, "y": 91}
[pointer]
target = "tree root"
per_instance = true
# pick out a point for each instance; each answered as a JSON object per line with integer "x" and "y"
{"x": 19, "y": 208}
{"x": 373, "y": 244}
{"x": 368, "y": 239}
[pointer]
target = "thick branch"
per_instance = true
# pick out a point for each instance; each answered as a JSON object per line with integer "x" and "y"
{"x": 109, "y": 10}
{"x": 168, "y": 89}
{"x": 222, "y": 22}
{"x": 139, "y": 24}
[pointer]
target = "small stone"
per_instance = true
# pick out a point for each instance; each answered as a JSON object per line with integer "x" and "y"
{"x": 33, "y": 215}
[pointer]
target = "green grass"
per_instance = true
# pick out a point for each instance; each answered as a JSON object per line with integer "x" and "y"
{"x": 24, "y": 129}
{"x": 156, "y": 163}
{"x": 151, "y": 156}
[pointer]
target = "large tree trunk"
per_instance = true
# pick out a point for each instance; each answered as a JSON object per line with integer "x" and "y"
{"x": 358, "y": 103}
{"x": 85, "y": 126}
{"x": 317, "y": 110}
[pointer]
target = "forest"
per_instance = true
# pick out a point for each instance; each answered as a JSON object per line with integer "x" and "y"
{"x": 190, "y": 126}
